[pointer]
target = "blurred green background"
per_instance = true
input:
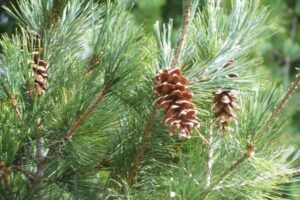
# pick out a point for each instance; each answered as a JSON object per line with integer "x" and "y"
{"x": 281, "y": 51}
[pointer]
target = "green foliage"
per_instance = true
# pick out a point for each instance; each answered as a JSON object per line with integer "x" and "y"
{"x": 99, "y": 99}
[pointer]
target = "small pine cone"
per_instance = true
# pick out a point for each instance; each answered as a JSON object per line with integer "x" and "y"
{"x": 175, "y": 99}
{"x": 224, "y": 108}
{"x": 224, "y": 103}
{"x": 39, "y": 68}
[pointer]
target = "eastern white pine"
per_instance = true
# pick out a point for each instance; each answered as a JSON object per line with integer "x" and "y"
{"x": 80, "y": 120}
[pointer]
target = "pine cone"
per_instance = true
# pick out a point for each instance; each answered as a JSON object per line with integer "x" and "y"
{"x": 224, "y": 103}
{"x": 175, "y": 99}
{"x": 224, "y": 108}
{"x": 39, "y": 68}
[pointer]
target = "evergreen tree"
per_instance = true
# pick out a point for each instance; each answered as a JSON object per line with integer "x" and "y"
{"x": 94, "y": 108}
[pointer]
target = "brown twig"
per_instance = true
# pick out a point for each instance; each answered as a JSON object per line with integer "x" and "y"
{"x": 282, "y": 103}
{"x": 5, "y": 174}
{"x": 183, "y": 33}
{"x": 286, "y": 97}
{"x": 38, "y": 178}
{"x": 209, "y": 162}
{"x": 142, "y": 147}
{"x": 204, "y": 140}
{"x": 80, "y": 118}
{"x": 146, "y": 132}
{"x": 249, "y": 153}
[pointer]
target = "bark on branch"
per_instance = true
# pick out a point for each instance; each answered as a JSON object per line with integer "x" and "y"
{"x": 38, "y": 178}
{"x": 183, "y": 33}
{"x": 249, "y": 153}
{"x": 142, "y": 147}
{"x": 286, "y": 97}
{"x": 79, "y": 119}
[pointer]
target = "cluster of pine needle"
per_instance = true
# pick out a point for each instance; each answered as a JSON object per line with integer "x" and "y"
{"x": 94, "y": 108}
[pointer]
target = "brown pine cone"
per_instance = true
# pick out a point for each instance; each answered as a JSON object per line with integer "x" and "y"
{"x": 224, "y": 108}
{"x": 175, "y": 99}
{"x": 39, "y": 68}
{"x": 224, "y": 103}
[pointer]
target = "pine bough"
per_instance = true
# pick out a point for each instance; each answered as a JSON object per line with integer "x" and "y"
{"x": 80, "y": 120}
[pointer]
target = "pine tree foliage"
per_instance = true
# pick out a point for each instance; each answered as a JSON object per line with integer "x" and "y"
{"x": 96, "y": 132}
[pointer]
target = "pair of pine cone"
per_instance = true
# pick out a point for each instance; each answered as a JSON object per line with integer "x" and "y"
{"x": 180, "y": 112}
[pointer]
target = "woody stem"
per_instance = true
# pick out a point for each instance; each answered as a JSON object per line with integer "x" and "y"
{"x": 142, "y": 147}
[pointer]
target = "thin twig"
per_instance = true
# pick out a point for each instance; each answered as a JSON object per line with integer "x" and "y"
{"x": 209, "y": 159}
{"x": 282, "y": 103}
{"x": 249, "y": 153}
{"x": 184, "y": 27}
{"x": 286, "y": 97}
{"x": 142, "y": 147}
{"x": 204, "y": 140}
{"x": 209, "y": 162}
{"x": 291, "y": 173}
{"x": 80, "y": 118}
{"x": 146, "y": 133}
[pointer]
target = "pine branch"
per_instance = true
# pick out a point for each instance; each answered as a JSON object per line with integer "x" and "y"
{"x": 81, "y": 117}
{"x": 209, "y": 163}
{"x": 142, "y": 147}
{"x": 183, "y": 33}
{"x": 286, "y": 97}
{"x": 146, "y": 133}
{"x": 282, "y": 102}
{"x": 210, "y": 159}
{"x": 249, "y": 153}
{"x": 41, "y": 164}
{"x": 292, "y": 173}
